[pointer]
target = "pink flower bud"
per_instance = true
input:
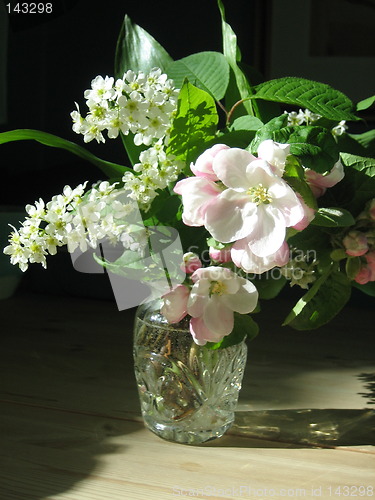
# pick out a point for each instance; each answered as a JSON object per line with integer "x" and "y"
{"x": 220, "y": 256}
{"x": 203, "y": 165}
{"x": 191, "y": 262}
{"x": 363, "y": 276}
{"x": 355, "y": 244}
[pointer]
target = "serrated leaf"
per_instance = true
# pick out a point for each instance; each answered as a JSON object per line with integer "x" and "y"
{"x": 137, "y": 50}
{"x": 244, "y": 326}
{"x": 366, "y": 103}
{"x": 194, "y": 124}
{"x": 110, "y": 169}
{"x": 318, "y": 97}
{"x": 207, "y": 70}
{"x": 333, "y": 217}
{"x": 321, "y": 303}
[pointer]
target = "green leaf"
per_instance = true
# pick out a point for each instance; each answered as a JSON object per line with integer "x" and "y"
{"x": 366, "y": 141}
{"x": 366, "y": 103}
{"x": 359, "y": 180}
{"x": 194, "y": 125}
{"x": 208, "y": 71}
{"x": 352, "y": 267}
{"x": 109, "y": 169}
{"x": 321, "y": 303}
{"x": 233, "y": 56}
{"x": 246, "y": 122}
{"x": 244, "y": 326}
{"x": 137, "y": 50}
{"x": 315, "y": 146}
{"x": 318, "y": 97}
{"x": 333, "y": 217}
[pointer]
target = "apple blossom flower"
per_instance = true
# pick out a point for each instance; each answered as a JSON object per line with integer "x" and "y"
{"x": 256, "y": 204}
{"x": 319, "y": 183}
{"x": 355, "y": 243}
{"x": 216, "y": 294}
{"x": 191, "y": 262}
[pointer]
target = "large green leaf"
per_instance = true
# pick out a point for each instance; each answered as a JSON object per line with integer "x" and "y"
{"x": 267, "y": 131}
{"x": 317, "y": 97}
{"x": 359, "y": 180}
{"x": 233, "y": 56}
{"x": 194, "y": 125}
{"x": 112, "y": 170}
{"x": 206, "y": 70}
{"x": 321, "y": 303}
{"x": 137, "y": 50}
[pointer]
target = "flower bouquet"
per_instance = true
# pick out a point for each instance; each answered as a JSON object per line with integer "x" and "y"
{"x": 251, "y": 188}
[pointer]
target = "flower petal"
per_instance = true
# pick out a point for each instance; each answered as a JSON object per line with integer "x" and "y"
{"x": 197, "y": 193}
{"x": 231, "y": 216}
{"x": 269, "y": 232}
{"x": 230, "y": 166}
{"x": 217, "y": 317}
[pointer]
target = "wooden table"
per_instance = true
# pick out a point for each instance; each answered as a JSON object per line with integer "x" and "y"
{"x": 70, "y": 425}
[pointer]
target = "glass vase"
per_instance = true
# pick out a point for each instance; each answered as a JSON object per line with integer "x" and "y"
{"x": 188, "y": 393}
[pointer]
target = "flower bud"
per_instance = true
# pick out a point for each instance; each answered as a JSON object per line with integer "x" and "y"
{"x": 363, "y": 276}
{"x": 220, "y": 255}
{"x": 191, "y": 262}
{"x": 355, "y": 244}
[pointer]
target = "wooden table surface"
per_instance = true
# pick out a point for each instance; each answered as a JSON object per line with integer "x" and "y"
{"x": 70, "y": 425}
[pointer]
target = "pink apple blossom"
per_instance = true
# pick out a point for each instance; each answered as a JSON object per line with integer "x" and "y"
{"x": 203, "y": 165}
{"x": 256, "y": 204}
{"x": 319, "y": 183}
{"x": 174, "y": 307}
{"x": 355, "y": 244}
{"x": 218, "y": 292}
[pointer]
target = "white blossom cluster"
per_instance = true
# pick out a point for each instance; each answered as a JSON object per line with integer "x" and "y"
{"x": 307, "y": 117}
{"x": 141, "y": 104}
{"x": 138, "y": 103}
{"x": 72, "y": 218}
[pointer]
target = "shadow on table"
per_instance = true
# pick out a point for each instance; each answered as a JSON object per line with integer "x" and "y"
{"x": 307, "y": 427}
